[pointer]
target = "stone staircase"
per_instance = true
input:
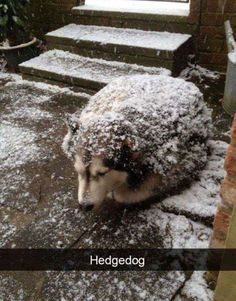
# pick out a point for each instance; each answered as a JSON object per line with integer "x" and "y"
{"x": 88, "y": 56}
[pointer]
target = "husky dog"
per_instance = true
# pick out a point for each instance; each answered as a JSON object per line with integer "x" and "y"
{"x": 138, "y": 137}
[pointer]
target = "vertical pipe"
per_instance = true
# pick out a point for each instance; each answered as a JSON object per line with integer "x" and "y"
{"x": 229, "y": 101}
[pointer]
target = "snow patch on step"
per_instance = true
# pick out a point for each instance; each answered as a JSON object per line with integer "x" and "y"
{"x": 118, "y": 36}
{"x": 74, "y": 66}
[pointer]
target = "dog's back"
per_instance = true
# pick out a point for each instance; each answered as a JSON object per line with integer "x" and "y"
{"x": 146, "y": 125}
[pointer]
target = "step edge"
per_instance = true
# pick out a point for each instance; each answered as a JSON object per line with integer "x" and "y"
{"x": 96, "y": 60}
{"x": 74, "y": 41}
{"x": 121, "y": 49}
{"x": 127, "y": 14}
{"x": 66, "y": 78}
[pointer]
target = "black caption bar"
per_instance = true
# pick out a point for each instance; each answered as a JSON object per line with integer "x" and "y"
{"x": 117, "y": 259}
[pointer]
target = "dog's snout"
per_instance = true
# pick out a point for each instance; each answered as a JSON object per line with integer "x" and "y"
{"x": 86, "y": 206}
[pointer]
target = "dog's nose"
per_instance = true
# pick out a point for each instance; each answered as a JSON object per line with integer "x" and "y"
{"x": 86, "y": 206}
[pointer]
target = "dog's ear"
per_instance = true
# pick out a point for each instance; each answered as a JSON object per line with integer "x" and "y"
{"x": 72, "y": 123}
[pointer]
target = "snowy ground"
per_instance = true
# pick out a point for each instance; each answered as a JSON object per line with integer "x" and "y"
{"x": 38, "y": 208}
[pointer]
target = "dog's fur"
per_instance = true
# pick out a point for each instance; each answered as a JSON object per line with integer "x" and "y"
{"x": 105, "y": 179}
{"x": 114, "y": 164}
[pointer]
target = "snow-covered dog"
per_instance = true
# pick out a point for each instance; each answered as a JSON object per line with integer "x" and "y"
{"x": 138, "y": 137}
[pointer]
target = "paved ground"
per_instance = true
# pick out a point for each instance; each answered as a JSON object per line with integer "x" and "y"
{"x": 38, "y": 206}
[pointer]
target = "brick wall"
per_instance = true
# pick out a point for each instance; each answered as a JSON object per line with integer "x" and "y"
{"x": 212, "y": 43}
{"x": 47, "y": 15}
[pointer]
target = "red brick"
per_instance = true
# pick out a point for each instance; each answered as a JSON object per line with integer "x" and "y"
{"x": 212, "y": 19}
{"x": 230, "y": 161}
{"x": 230, "y": 6}
{"x": 217, "y": 243}
{"x": 213, "y": 31}
{"x": 208, "y": 43}
{"x": 221, "y": 222}
{"x": 228, "y": 194}
{"x": 219, "y": 59}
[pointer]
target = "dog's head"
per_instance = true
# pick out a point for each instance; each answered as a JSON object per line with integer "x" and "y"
{"x": 96, "y": 181}
{"x": 101, "y": 174}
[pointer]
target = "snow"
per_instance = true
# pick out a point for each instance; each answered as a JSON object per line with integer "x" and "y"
{"x": 75, "y": 66}
{"x": 7, "y": 231}
{"x": 117, "y": 36}
{"x": 31, "y": 113}
{"x": 5, "y": 77}
{"x": 104, "y": 284}
{"x": 17, "y": 146}
{"x": 15, "y": 186}
{"x": 28, "y": 123}
{"x": 163, "y": 118}
{"x": 11, "y": 289}
{"x": 177, "y": 231}
{"x": 232, "y": 57}
{"x": 47, "y": 89}
{"x": 163, "y": 8}
{"x": 60, "y": 225}
{"x": 196, "y": 288}
{"x": 201, "y": 199}
{"x": 201, "y": 73}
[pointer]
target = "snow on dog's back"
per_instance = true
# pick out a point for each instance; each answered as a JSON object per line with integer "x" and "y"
{"x": 163, "y": 117}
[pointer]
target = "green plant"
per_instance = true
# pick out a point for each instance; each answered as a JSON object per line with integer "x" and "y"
{"x": 13, "y": 21}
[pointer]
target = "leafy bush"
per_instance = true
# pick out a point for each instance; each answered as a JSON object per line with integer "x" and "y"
{"x": 13, "y": 21}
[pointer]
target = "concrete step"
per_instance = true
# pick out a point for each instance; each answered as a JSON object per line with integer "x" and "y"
{"x": 163, "y": 20}
{"x": 149, "y": 48}
{"x": 57, "y": 66}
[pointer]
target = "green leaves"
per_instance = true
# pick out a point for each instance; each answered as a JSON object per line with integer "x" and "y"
{"x": 4, "y": 7}
{"x": 3, "y": 20}
{"x": 18, "y": 21}
{"x": 13, "y": 19}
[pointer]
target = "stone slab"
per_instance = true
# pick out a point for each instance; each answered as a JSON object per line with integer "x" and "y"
{"x": 81, "y": 71}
